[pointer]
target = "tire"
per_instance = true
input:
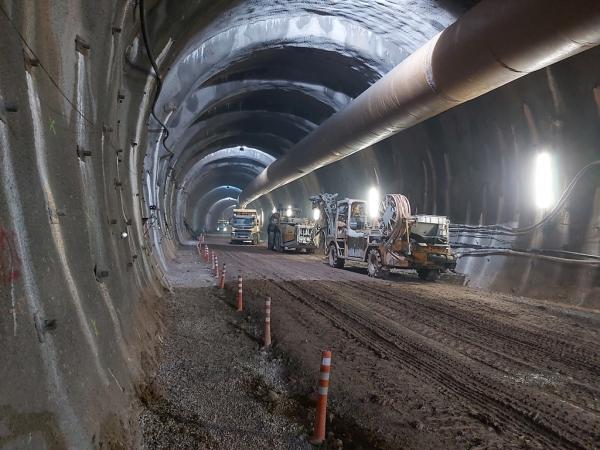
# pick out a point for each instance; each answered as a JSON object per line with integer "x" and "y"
{"x": 323, "y": 243}
{"x": 374, "y": 264}
{"x": 278, "y": 245}
{"x": 334, "y": 261}
{"x": 271, "y": 240}
{"x": 255, "y": 240}
{"x": 428, "y": 274}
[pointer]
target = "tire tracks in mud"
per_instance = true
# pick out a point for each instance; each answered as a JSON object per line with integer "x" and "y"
{"x": 536, "y": 417}
{"x": 538, "y": 355}
{"x": 470, "y": 377}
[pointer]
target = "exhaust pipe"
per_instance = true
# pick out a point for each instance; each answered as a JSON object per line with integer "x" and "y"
{"x": 493, "y": 44}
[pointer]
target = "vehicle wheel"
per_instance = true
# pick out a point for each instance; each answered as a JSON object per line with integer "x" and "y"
{"x": 334, "y": 261}
{"x": 428, "y": 274}
{"x": 322, "y": 245}
{"x": 271, "y": 240}
{"x": 374, "y": 264}
{"x": 278, "y": 243}
{"x": 256, "y": 240}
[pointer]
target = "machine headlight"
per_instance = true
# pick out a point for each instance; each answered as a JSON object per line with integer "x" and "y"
{"x": 373, "y": 202}
{"x": 316, "y": 213}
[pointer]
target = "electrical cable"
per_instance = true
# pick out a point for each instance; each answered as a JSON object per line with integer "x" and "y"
{"x": 501, "y": 229}
{"x": 509, "y": 252}
{"x": 159, "y": 83}
{"x": 528, "y": 250}
{"x": 41, "y": 65}
{"x": 491, "y": 231}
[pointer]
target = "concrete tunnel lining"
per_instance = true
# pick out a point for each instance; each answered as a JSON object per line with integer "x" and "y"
{"x": 81, "y": 315}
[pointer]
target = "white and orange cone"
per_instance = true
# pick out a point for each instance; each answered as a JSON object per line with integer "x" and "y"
{"x": 223, "y": 272}
{"x": 267, "y": 340}
{"x": 240, "y": 303}
{"x": 320, "y": 419}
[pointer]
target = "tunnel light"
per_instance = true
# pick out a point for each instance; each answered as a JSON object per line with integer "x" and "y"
{"x": 316, "y": 213}
{"x": 289, "y": 211}
{"x": 124, "y": 235}
{"x": 543, "y": 181}
{"x": 373, "y": 202}
{"x": 274, "y": 210}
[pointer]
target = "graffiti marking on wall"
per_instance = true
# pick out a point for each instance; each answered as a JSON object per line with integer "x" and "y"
{"x": 10, "y": 263}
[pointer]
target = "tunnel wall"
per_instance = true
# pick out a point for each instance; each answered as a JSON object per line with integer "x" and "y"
{"x": 79, "y": 311}
{"x": 80, "y": 302}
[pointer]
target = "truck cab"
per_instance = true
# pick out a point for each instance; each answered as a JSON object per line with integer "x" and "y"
{"x": 245, "y": 227}
{"x": 352, "y": 233}
{"x": 222, "y": 225}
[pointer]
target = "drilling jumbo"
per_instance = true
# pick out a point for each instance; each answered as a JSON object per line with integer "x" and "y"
{"x": 394, "y": 240}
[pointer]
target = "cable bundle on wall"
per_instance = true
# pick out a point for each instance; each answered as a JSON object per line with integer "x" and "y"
{"x": 492, "y": 231}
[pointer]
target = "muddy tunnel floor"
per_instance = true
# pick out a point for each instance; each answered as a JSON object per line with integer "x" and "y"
{"x": 415, "y": 364}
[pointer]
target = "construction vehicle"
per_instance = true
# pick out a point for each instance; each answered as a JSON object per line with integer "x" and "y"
{"x": 245, "y": 227}
{"x": 222, "y": 225}
{"x": 288, "y": 230}
{"x": 395, "y": 239}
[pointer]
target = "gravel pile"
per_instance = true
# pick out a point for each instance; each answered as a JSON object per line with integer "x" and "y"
{"x": 215, "y": 388}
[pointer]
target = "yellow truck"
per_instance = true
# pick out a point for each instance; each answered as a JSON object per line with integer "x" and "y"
{"x": 245, "y": 227}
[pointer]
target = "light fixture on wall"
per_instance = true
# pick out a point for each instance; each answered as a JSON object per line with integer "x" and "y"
{"x": 543, "y": 181}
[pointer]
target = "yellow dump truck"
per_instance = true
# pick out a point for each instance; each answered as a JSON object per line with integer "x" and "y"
{"x": 245, "y": 227}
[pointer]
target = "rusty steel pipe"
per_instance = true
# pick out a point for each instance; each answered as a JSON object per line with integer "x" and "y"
{"x": 493, "y": 44}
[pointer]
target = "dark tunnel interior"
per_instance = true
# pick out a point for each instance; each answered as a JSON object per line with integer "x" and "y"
{"x": 97, "y": 195}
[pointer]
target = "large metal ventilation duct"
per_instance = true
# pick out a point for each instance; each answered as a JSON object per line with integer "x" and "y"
{"x": 494, "y": 43}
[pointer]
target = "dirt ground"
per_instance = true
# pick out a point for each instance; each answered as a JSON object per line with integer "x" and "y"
{"x": 416, "y": 364}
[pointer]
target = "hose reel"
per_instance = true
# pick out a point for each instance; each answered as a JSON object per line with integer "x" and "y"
{"x": 392, "y": 210}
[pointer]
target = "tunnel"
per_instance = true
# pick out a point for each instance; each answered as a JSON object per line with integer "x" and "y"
{"x": 130, "y": 131}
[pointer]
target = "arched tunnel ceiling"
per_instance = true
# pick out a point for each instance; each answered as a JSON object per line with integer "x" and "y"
{"x": 93, "y": 208}
{"x": 267, "y": 81}
{"x": 203, "y": 184}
